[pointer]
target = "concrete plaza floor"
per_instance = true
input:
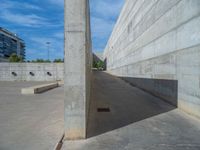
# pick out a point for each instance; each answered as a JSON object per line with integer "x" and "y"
{"x": 136, "y": 121}
{"x": 30, "y": 122}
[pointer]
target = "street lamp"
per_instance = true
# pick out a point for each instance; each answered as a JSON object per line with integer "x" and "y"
{"x": 48, "y": 46}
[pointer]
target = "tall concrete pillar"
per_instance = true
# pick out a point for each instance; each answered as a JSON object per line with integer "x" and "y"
{"x": 77, "y": 68}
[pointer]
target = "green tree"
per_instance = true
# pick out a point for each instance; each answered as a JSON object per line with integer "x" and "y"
{"x": 98, "y": 64}
{"x": 47, "y": 61}
{"x": 58, "y": 61}
{"x": 15, "y": 58}
{"x": 40, "y": 61}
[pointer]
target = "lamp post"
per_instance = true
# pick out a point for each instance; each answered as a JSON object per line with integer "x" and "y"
{"x": 48, "y": 46}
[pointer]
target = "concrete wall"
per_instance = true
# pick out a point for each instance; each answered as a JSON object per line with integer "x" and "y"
{"x": 97, "y": 56}
{"x": 155, "y": 41}
{"x": 3, "y": 59}
{"x": 78, "y": 58}
{"x": 22, "y": 71}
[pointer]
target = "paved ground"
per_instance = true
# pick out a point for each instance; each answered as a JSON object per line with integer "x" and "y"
{"x": 30, "y": 122}
{"x": 136, "y": 121}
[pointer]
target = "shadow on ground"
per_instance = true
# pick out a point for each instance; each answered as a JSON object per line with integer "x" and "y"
{"x": 127, "y": 104}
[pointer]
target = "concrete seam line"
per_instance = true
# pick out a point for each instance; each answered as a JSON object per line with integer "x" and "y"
{"x": 148, "y": 43}
{"x": 149, "y": 59}
{"x": 58, "y": 146}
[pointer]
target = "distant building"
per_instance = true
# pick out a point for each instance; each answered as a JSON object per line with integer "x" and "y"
{"x": 9, "y": 44}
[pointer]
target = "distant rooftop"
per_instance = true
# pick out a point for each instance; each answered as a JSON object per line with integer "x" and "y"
{"x": 10, "y": 33}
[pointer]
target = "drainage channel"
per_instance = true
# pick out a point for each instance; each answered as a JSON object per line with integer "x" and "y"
{"x": 60, "y": 143}
{"x": 103, "y": 109}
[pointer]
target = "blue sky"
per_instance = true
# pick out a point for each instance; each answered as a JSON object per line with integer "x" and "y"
{"x": 41, "y": 21}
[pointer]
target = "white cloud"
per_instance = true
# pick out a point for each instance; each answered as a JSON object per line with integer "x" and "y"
{"x": 30, "y": 20}
{"x": 59, "y": 35}
{"x": 27, "y": 18}
{"x": 38, "y": 48}
{"x": 30, "y": 6}
{"x": 57, "y": 2}
{"x": 56, "y": 45}
{"x": 100, "y": 27}
{"x": 106, "y": 8}
{"x": 104, "y": 14}
{"x": 42, "y": 40}
{"x": 6, "y": 4}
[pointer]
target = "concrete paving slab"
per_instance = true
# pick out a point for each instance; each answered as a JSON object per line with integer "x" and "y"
{"x": 136, "y": 121}
{"x": 30, "y": 122}
{"x": 173, "y": 130}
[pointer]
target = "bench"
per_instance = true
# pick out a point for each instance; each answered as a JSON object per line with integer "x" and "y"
{"x": 39, "y": 88}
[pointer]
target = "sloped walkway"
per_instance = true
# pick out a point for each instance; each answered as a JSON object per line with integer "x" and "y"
{"x": 136, "y": 120}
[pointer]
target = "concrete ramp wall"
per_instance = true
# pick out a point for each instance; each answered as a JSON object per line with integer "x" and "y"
{"x": 155, "y": 46}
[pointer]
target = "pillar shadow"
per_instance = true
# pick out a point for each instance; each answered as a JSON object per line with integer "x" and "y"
{"x": 115, "y": 103}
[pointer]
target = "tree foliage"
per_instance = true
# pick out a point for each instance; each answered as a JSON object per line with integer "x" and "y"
{"x": 46, "y": 61}
{"x": 15, "y": 58}
{"x": 98, "y": 64}
{"x": 40, "y": 61}
{"x": 58, "y": 61}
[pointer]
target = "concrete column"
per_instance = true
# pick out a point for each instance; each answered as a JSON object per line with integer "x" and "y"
{"x": 77, "y": 68}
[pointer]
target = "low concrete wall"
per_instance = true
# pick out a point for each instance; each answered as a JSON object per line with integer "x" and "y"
{"x": 31, "y": 71}
{"x": 165, "y": 89}
{"x": 159, "y": 40}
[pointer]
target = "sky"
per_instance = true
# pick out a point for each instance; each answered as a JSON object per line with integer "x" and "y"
{"x": 40, "y": 21}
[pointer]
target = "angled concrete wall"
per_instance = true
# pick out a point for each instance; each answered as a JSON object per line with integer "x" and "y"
{"x": 77, "y": 67}
{"x": 31, "y": 71}
{"x": 156, "y": 41}
{"x": 97, "y": 56}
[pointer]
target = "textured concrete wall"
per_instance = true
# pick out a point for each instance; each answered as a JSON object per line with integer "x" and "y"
{"x": 159, "y": 40}
{"x": 31, "y": 71}
{"x": 3, "y": 60}
{"x": 78, "y": 58}
{"x": 97, "y": 56}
